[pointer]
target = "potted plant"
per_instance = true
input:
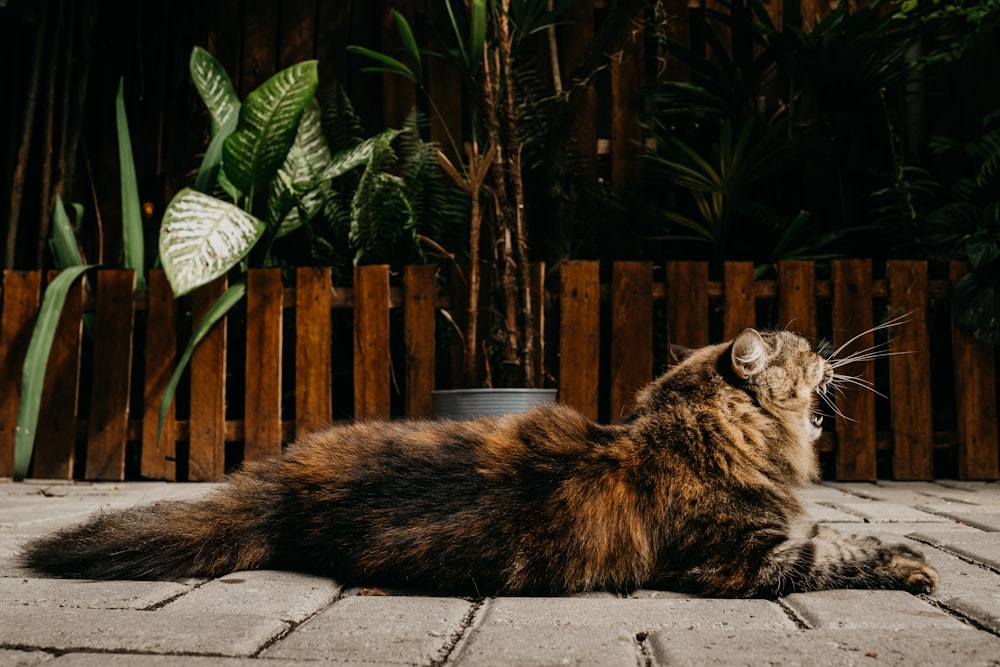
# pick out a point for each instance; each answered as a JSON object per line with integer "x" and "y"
{"x": 499, "y": 340}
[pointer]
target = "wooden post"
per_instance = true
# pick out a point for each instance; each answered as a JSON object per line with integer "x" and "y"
{"x": 975, "y": 399}
{"x": 910, "y": 372}
{"x": 55, "y": 444}
{"x": 159, "y": 458}
{"x": 852, "y": 315}
{"x": 687, "y": 303}
{"x": 738, "y": 300}
{"x": 21, "y": 300}
{"x": 631, "y": 333}
{"x": 207, "y": 456}
{"x": 371, "y": 342}
{"x": 797, "y": 297}
{"x": 580, "y": 335}
{"x": 419, "y": 319}
{"x": 313, "y": 362}
{"x": 107, "y": 429}
{"x": 262, "y": 407}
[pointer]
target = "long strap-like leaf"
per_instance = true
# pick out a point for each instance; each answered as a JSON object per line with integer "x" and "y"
{"x": 229, "y": 298}
{"x": 35, "y": 363}
{"x": 135, "y": 244}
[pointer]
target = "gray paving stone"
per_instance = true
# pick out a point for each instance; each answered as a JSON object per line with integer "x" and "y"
{"x": 868, "y": 610}
{"x": 983, "y": 548}
{"x": 119, "y": 630}
{"x": 888, "y": 512}
{"x": 826, "y": 648}
{"x": 23, "y": 658}
{"x": 290, "y": 596}
{"x": 822, "y": 513}
{"x": 988, "y": 520}
{"x": 24, "y": 592}
{"x": 636, "y": 615}
{"x": 493, "y": 644}
{"x": 379, "y": 629}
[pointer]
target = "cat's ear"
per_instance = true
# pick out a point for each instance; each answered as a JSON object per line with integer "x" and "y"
{"x": 679, "y": 353}
{"x": 749, "y": 354}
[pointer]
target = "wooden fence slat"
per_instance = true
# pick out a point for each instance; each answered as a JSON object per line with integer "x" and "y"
{"x": 797, "y": 297}
{"x": 207, "y": 423}
{"x": 419, "y": 319}
{"x": 580, "y": 335}
{"x": 55, "y": 445}
{"x": 739, "y": 303}
{"x": 687, "y": 303}
{"x": 158, "y": 458}
{"x": 910, "y": 372}
{"x": 107, "y": 429}
{"x": 21, "y": 300}
{"x": 626, "y": 112}
{"x": 313, "y": 362}
{"x": 852, "y": 315}
{"x": 975, "y": 399}
{"x": 262, "y": 406}
{"x": 371, "y": 342}
{"x": 631, "y": 333}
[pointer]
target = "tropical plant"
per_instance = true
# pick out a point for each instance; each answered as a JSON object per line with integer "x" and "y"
{"x": 68, "y": 258}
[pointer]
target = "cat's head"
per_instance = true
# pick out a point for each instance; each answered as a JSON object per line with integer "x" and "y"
{"x": 781, "y": 370}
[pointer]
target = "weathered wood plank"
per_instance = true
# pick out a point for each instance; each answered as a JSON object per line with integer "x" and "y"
{"x": 55, "y": 445}
{"x": 910, "y": 372}
{"x": 313, "y": 362}
{"x": 797, "y": 297}
{"x": 260, "y": 44}
{"x": 371, "y": 342}
{"x": 158, "y": 459}
{"x": 852, "y": 315}
{"x": 975, "y": 400}
{"x": 21, "y": 300}
{"x": 419, "y": 320}
{"x": 207, "y": 437}
{"x": 580, "y": 335}
{"x": 687, "y": 303}
{"x": 262, "y": 406}
{"x": 739, "y": 302}
{"x": 631, "y": 333}
{"x": 107, "y": 426}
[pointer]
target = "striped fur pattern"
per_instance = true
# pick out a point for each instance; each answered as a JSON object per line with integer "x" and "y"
{"x": 695, "y": 490}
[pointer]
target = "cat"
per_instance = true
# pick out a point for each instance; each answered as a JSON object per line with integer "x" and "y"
{"x": 694, "y": 491}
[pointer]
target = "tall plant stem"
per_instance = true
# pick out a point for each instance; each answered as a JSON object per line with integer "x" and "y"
{"x": 30, "y": 100}
{"x": 475, "y": 225}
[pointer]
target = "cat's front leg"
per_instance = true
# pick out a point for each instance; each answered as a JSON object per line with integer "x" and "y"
{"x": 826, "y": 558}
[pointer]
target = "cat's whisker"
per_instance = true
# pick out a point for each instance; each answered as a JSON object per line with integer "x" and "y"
{"x": 894, "y": 322}
{"x": 833, "y": 407}
{"x": 857, "y": 382}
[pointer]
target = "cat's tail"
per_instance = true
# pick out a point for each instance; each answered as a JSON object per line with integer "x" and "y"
{"x": 176, "y": 539}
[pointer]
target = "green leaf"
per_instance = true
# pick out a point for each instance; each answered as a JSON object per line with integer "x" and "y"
{"x": 208, "y": 172}
{"x": 35, "y": 363}
{"x": 269, "y": 120}
{"x": 302, "y": 170}
{"x": 392, "y": 66}
{"x": 352, "y": 158}
{"x": 229, "y": 298}
{"x": 202, "y": 237}
{"x": 65, "y": 251}
{"x": 135, "y": 246}
{"x": 215, "y": 88}
{"x": 409, "y": 42}
{"x": 477, "y": 34}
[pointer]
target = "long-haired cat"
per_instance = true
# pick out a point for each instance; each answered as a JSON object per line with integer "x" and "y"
{"x": 695, "y": 490}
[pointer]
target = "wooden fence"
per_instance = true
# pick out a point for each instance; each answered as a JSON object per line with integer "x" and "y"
{"x": 606, "y": 339}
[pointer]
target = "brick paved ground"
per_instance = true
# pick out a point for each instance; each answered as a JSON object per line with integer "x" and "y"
{"x": 274, "y": 618}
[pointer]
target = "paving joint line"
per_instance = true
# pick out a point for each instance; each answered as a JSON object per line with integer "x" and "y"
{"x": 800, "y": 623}
{"x": 291, "y": 626}
{"x": 959, "y": 615}
{"x": 941, "y": 547}
{"x": 457, "y": 639}
{"x": 644, "y": 654}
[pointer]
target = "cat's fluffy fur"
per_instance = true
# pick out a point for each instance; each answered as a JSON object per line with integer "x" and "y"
{"x": 695, "y": 490}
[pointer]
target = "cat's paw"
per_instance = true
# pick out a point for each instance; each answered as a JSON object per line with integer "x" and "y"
{"x": 910, "y": 570}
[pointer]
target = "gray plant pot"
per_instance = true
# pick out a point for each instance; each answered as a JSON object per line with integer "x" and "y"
{"x": 472, "y": 403}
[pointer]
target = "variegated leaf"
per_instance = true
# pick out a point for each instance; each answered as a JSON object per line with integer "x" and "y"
{"x": 202, "y": 237}
{"x": 214, "y": 86}
{"x": 269, "y": 120}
